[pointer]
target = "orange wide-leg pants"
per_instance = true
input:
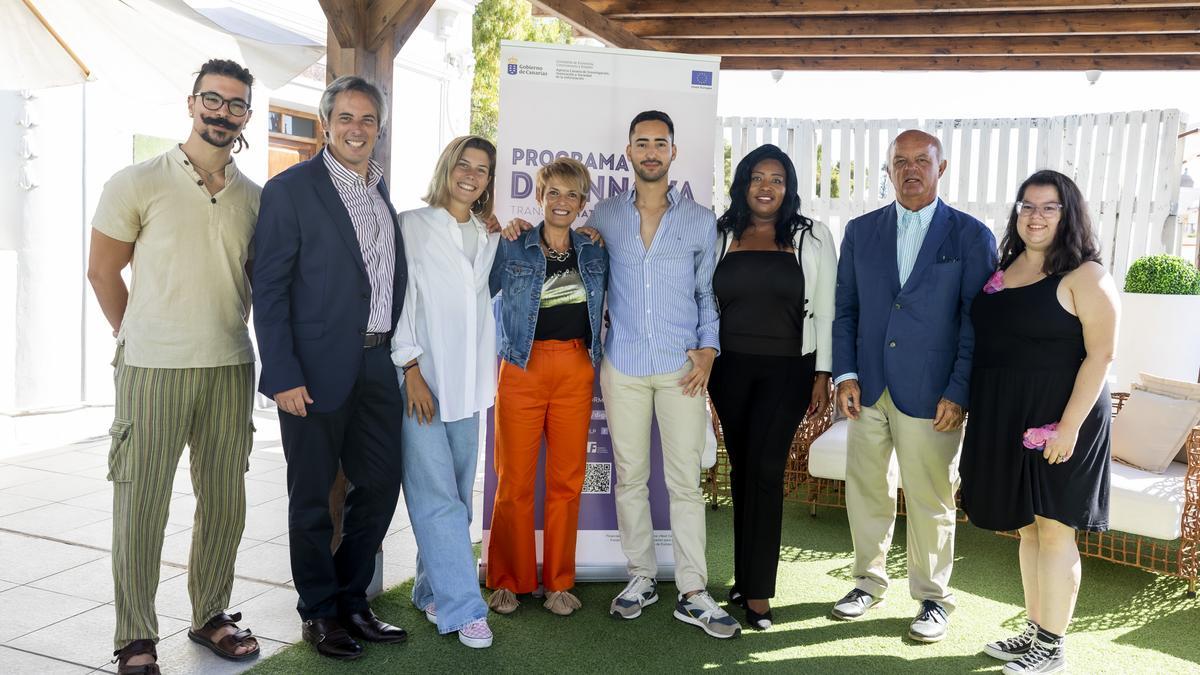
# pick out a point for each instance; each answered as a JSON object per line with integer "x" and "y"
{"x": 551, "y": 397}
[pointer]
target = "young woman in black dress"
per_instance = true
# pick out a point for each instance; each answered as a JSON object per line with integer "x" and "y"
{"x": 1045, "y": 329}
{"x": 774, "y": 286}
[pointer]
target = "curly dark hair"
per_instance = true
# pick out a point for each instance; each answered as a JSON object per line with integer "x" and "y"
{"x": 1074, "y": 241}
{"x": 789, "y": 220}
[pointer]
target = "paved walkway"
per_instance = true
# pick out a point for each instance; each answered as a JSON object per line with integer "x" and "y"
{"x": 56, "y": 590}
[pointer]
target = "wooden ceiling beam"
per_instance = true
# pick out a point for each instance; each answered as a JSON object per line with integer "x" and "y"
{"x": 592, "y": 23}
{"x": 982, "y": 63}
{"x": 1169, "y": 43}
{"x": 395, "y": 19}
{"x": 899, "y": 25}
{"x": 647, "y": 8}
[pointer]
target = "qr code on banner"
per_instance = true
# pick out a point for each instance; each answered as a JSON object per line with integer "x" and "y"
{"x": 597, "y": 478}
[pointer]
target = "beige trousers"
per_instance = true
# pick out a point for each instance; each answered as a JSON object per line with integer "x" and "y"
{"x": 629, "y": 403}
{"x": 928, "y": 462}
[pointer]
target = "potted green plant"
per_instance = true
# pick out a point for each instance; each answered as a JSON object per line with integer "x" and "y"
{"x": 1160, "y": 321}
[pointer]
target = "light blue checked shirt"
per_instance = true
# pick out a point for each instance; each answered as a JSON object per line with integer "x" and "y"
{"x": 911, "y": 228}
{"x": 660, "y": 301}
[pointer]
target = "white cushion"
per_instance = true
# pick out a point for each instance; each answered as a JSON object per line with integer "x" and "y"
{"x": 827, "y": 455}
{"x": 1151, "y": 428}
{"x": 1140, "y": 502}
{"x": 1149, "y": 504}
{"x": 1174, "y": 389}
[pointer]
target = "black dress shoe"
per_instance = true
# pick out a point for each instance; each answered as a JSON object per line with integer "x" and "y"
{"x": 331, "y": 640}
{"x": 369, "y": 627}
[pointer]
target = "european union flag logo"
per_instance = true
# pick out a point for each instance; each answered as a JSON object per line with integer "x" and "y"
{"x": 702, "y": 77}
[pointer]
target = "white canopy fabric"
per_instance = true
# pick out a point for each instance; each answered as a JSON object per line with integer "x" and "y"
{"x": 147, "y": 45}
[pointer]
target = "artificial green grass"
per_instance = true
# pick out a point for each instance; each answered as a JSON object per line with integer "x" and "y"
{"x": 1127, "y": 621}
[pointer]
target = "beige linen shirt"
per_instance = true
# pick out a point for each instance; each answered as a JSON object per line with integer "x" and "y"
{"x": 189, "y": 298}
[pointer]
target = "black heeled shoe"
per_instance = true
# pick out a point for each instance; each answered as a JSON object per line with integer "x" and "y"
{"x": 736, "y": 598}
{"x": 759, "y": 621}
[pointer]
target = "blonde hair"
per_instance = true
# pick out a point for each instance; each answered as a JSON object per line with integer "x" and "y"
{"x": 566, "y": 169}
{"x": 439, "y": 185}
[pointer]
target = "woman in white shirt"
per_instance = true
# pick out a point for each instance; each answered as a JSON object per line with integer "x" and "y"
{"x": 444, "y": 349}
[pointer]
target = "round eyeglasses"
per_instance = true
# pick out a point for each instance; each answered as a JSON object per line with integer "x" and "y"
{"x": 213, "y": 101}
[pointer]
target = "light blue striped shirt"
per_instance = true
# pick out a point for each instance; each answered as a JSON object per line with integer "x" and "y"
{"x": 911, "y": 228}
{"x": 660, "y": 301}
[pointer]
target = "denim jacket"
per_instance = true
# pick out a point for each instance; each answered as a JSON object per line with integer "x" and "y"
{"x": 518, "y": 273}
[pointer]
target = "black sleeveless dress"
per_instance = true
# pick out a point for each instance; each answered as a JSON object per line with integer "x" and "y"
{"x": 1027, "y": 353}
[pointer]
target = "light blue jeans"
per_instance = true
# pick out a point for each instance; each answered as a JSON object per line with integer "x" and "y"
{"x": 439, "y": 477}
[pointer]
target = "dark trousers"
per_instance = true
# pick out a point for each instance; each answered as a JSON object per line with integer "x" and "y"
{"x": 363, "y": 437}
{"x": 760, "y": 400}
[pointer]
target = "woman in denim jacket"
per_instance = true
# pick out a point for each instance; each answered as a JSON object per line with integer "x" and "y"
{"x": 552, "y": 281}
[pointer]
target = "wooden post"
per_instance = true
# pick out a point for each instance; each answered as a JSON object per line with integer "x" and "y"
{"x": 363, "y": 39}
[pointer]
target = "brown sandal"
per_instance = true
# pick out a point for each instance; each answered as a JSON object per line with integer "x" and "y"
{"x": 136, "y": 648}
{"x": 227, "y": 646}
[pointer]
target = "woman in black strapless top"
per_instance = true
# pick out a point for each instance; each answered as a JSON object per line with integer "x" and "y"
{"x": 774, "y": 286}
{"x": 1036, "y": 452}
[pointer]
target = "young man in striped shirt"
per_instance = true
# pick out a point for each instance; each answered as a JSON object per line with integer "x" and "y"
{"x": 658, "y": 355}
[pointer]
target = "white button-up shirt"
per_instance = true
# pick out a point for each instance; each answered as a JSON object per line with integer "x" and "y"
{"x": 447, "y": 322}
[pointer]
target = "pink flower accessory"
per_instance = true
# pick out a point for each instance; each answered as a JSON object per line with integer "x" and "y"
{"x": 995, "y": 284}
{"x": 1037, "y": 437}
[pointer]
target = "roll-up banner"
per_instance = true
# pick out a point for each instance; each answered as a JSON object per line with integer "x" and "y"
{"x": 576, "y": 101}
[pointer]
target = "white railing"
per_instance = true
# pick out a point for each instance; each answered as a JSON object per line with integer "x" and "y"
{"x": 1127, "y": 164}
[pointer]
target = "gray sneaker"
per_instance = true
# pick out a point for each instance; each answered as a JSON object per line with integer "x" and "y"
{"x": 1042, "y": 657}
{"x": 930, "y": 623}
{"x": 701, "y": 610}
{"x": 854, "y": 604}
{"x": 1014, "y": 647}
{"x": 638, "y": 593}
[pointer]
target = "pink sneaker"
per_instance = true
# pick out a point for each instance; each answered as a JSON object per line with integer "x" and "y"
{"x": 476, "y": 634}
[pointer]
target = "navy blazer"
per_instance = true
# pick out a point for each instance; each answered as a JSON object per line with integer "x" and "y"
{"x": 914, "y": 341}
{"x": 312, "y": 297}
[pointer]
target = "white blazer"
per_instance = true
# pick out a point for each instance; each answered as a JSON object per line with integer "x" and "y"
{"x": 447, "y": 322}
{"x": 818, "y": 262}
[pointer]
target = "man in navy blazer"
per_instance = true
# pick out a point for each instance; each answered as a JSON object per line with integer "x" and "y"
{"x": 329, "y": 282}
{"x": 902, "y": 343}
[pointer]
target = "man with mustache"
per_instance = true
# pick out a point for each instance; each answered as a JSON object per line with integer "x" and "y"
{"x": 902, "y": 346}
{"x": 184, "y": 363}
{"x": 329, "y": 283}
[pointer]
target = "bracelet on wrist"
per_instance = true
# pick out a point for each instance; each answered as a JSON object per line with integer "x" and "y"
{"x": 405, "y": 369}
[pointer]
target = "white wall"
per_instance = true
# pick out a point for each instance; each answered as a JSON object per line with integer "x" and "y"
{"x": 432, "y": 85}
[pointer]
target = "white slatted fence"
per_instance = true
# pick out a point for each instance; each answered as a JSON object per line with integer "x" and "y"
{"x": 1127, "y": 164}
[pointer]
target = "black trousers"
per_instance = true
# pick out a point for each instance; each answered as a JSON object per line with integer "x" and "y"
{"x": 363, "y": 437}
{"x": 760, "y": 400}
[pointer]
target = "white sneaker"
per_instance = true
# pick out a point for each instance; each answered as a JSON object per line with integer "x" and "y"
{"x": 638, "y": 593}
{"x": 431, "y": 613}
{"x": 476, "y": 634}
{"x": 699, "y": 609}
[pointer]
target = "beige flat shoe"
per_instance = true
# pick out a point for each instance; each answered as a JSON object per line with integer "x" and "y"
{"x": 562, "y": 603}
{"x": 503, "y": 601}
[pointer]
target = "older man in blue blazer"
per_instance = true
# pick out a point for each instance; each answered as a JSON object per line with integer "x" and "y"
{"x": 329, "y": 283}
{"x": 902, "y": 343}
